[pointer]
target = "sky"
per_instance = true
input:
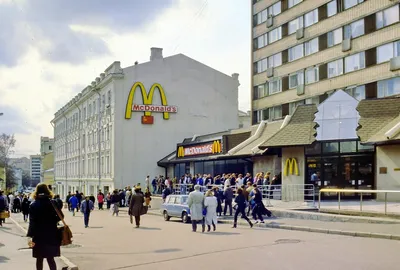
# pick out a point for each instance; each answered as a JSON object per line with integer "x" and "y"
{"x": 50, "y": 50}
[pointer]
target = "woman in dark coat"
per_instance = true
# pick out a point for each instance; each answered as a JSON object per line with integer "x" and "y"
{"x": 259, "y": 209}
{"x": 241, "y": 203}
{"x": 43, "y": 219}
{"x": 136, "y": 205}
{"x": 25, "y": 208}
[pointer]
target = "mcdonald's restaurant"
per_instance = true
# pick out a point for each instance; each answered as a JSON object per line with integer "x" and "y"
{"x": 341, "y": 143}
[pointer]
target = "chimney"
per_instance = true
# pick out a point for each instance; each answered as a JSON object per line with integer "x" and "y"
{"x": 136, "y": 63}
{"x": 235, "y": 76}
{"x": 156, "y": 53}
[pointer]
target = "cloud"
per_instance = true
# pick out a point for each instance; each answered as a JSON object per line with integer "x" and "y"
{"x": 13, "y": 121}
{"x": 47, "y": 26}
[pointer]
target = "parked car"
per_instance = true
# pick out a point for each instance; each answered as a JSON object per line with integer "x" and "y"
{"x": 176, "y": 206}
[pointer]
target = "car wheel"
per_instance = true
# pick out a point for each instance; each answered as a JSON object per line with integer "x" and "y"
{"x": 166, "y": 217}
{"x": 185, "y": 217}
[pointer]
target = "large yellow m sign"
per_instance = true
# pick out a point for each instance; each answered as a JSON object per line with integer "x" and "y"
{"x": 147, "y": 107}
{"x": 291, "y": 167}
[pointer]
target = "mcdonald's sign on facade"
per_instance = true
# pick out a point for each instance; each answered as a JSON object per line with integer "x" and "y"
{"x": 147, "y": 107}
{"x": 291, "y": 167}
{"x": 209, "y": 148}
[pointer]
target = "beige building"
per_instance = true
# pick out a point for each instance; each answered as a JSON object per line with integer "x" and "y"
{"x": 304, "y": 50}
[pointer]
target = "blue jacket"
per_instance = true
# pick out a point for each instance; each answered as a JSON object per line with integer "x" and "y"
{"x": 84, "y": 206}
{"x": 74, "y": 201}
{"x": 200, "y": 181}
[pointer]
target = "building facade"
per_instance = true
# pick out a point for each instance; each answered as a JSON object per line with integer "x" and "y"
{"x": 112, "y": 134}
{"x": 36, "y": 167}
{"x": 47, "y": 162}
{"x": 46, "y": 145}
{"x": 304, "y": 50}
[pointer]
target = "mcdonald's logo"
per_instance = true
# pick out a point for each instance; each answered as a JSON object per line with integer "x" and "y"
{"x": 291, "y": 167}
{"x": 210, "y": 148}
{"x": 147, "y": 107}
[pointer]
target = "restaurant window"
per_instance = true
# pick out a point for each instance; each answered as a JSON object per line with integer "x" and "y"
{"x": 351, "y": 3}
{"x": 296, "y": 79}
{"x": 357, "y": 92}
{"x": 275, "y": 86}
{"x": 335, "y": 37}
{"x": 365, "y": 148}
{"x": 387, "y": 17}
{"x": 262, "y": 65}
{"x": 275, "y": 35}
{"x": 199, "y": 167}
{"x": 312, "y": 75}
{"x": 296, "y": 52}
{"x": 332, "y": 8}
{"x": 348, "y": 147}
{"x": 354, "y": 29}
{"x": 385, "y": 52}
{"x": 311, "y": 18}
{"x": 314, "y": 149}
{"x": 389, "y": 87}
{"x": 209, "y": 167}
{"x": 354, "y": 62}
{"x": 294, "y": 25}
{"x": 219, "y": 167}
{"x": 335, "y": 68}
{"x": 311, "y": 46}
{"x": 330, "y": 147}
{"x": 275, "y": 60}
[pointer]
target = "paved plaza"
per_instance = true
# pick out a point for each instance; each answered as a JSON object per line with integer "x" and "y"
{"x": 111, "y": 243}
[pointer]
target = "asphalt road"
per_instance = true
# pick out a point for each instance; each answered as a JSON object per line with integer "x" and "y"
{"x": 111, "y": 243}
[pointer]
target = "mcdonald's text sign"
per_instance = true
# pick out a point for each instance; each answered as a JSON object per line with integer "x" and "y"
{"x": 209, "y": 148}
{"x": 148, "y": 107}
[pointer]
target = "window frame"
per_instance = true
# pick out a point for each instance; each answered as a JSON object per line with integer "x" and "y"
{"x": 361, "y": 59}
{"x": 300, "y": 24}
{"x": 331, "y": 37}
{"x": 310, "y": 45}
{"x": 290, "y": 53}
{"x": 278, "y": 30}
{"x": 299, "y": 79}
{"x": 350, "y": 25}
{"x": 336, "y": 66}
{"x": 271, "y": 88}
{"x": 382, "y": 15}
{"x": 315, "y": 70}
{"x": 315, "y": 18}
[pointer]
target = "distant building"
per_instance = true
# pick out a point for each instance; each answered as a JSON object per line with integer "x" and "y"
{"x": 244, "y": 119}
{"x": 22, "y": 163}
{"x": 2, "y": 178}
{"x": 46, "y": 145}
{"x": 46, "y": 151}
{"x": 47, "y": 164}
{"x": 36, "y": 164}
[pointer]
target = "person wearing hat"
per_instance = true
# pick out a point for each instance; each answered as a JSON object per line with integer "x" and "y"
{"x": 196, "y": 205}
{"x": 136, "y": 205}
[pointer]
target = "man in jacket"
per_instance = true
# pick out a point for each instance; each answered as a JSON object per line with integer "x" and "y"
{"x": 3, "y": 206}
{"x": 74, "y": 204}
{"x": 228, "y": 195}
{"x": 67, "y": 200}
{"x": 196, "y": 205}
{"x": 86, "y": 207}
{"x": 136, "y": 205}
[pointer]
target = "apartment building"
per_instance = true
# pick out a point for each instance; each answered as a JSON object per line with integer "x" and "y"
{"x": 36, "y": 166}
{"x": 305, "y": 50}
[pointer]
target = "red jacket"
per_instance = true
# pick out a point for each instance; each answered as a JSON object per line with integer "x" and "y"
{"x": 100, "y": 198}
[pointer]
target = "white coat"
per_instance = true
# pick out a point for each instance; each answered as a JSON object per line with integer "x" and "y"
{"x": 211, "y": 204}
{"x": 196, "y": 203}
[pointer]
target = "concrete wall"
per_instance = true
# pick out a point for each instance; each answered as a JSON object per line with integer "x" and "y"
{"x": 293, "y": 192}
{"x": 267, "y": 164}
{"x": 207, "y": 100}
{"x": 389, "y": 157}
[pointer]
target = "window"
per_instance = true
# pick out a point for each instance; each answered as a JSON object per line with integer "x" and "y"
{"x": 292, "y": 3}
{"x": 354, "y": 62}
{"x": 311, "y": 46}
{"x": 348, "y": 147}
{"x": 107, "y": 132}
{"x": 275, "y": 9}
{"x": 50, "y": 148}
{"x": 262, "y": 16}
{"x": 293, "y": 106}
{"x": 311, "y": 18}
{"x": 262, "y": 41}
{"x": 84, "y": 113}
{"x": 83, "y": 140}
{"x": 387, "y": 17}
{"x": 275, "y": 35}
{"x": 90, "y": 110}
{"x": 351, "y": 3}
{"x": 389, "y": 87}
{"x": 312, "y": 75}
{"x": 94, "y": 107}
{"x": 260, "y": 91}
{"x": 332, "y": 8}
{"x": 275, "y": 60}
{"x": 103, "y": 102}
{"x": 385, "y": 52}
{"x": 258, "y": 117}
{"x": 295, "y": 24}
{"x": 262, "y": 65}
{"x": 354, "y": 29}
{"x": 313, "y": 100}
{"x": 296, "y": 79}
{"x": 335, "y": 37}
{"x": 275, "y": 86}
{"x": 275, "y": 112}
{"x": 335, "y": 68}
{"x": 109, "y": 97}
{"x": 296, "y": 52}
{"x": 357, "y": 92}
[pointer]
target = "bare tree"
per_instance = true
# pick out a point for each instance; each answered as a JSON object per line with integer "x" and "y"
{"x": 7, "y": 143}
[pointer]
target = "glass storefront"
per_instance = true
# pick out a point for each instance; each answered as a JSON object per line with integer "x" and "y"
{"x": 341, "y": 164}
{"x": 181, "y": 169}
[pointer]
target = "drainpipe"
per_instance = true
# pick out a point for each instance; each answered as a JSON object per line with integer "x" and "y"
{"x": 66, "y": 155}
{"x": 79, "y": 143}
{"x": 96, "y": 90}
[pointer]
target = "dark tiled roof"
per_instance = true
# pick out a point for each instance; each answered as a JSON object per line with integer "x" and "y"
{"x": 232, "y": 140}
{"x": 377, "y": 117}
{"x": 300, "y": 129}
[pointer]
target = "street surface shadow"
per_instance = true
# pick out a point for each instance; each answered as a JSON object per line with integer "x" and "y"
{"x": 2, "y": 245}
{"x": 5, "y": 228}
{"x": 221, "y": 233}
{"x": 149, "y": 228}
{"x": 167, "y": 250}
{"x": 3, "y": 259}
{"x": 94, "y": 227}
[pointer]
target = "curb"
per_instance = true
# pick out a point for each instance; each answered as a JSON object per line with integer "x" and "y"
{"x": 309, "y": 229}
{"x": 70, "y": 265}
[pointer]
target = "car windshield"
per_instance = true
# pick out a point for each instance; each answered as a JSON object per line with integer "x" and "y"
{"x": 184, "y": 199}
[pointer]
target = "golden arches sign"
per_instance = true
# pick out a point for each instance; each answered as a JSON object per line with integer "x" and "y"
{"x": 291, "y": 167}
{"x": 147, "y": 107}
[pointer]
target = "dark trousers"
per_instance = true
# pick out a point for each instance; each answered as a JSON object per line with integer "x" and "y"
{"x": 257, "y": 213}
{"x": 194, "y": 224}
{"x": 86, "y": 218}
{"x": 240, "y": 211}
{"x": 137, "y": 220}
{"x": 108, "y": 204}
{"x": 101, "y": 206}
{"x": 228, "y": 204}
{"x": 50, "y": 261}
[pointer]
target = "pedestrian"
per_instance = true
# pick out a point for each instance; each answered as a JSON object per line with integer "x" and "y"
{"x": 100, "y": 200}
{"x": 115, "y": 200}
{"x": 108, "y": 200}
{"x": 11, "y": 202}
{"x": 136, "y": 205}
{"x": 67, "y": 200}
{"x": 79, "y": 197}
{"x": 259, "y": 209}
{"x": 25, "y": 208}
{"x": 240, "y": 201}
{"x": 58, "y": 201}
{"x": 147, "y": 181}
{"x": 74, "y": 204}
{"x": 147, "y": 197}
{"x": 154, "y": 184}
{"x": 196, "y": 203}
{"x": 220, "y": 197}
{"x": 3, "y": 207}
{"x": 210, "y": 206}
{"x": 92, "y": 198}
{"x": 87, "y": 206}
{"x": 165, "y": 193}
{"x": 228, "y": 196}
{"x": 44, "y": 237}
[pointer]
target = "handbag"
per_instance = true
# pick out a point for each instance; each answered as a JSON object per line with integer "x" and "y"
{"x": 144, "y": 209}
{"x": 64, "y": 231}
{"x": 204, "y": 211}
{"x": 4, "y": 214}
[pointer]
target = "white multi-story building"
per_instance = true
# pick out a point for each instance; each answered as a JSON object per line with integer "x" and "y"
{"x": 112, "y": 134}
{"x": 36, "y": 166}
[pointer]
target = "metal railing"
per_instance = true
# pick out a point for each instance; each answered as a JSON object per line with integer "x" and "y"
{"x": 360, "y": 191}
